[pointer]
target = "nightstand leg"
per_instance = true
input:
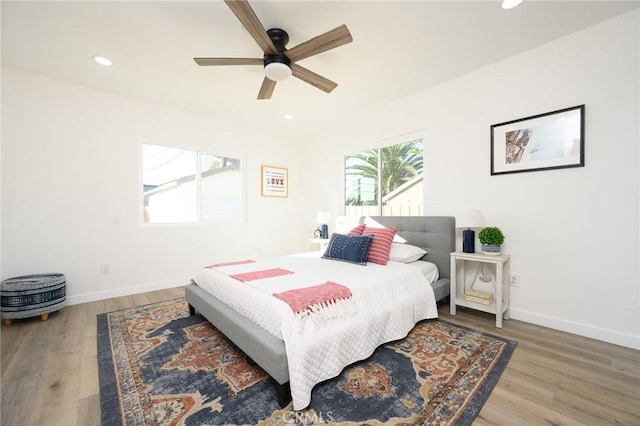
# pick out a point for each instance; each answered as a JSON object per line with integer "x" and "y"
{"x": 499, "y": 289}
{"x": 507, "y": 278}
{"x": 453, "y": 287}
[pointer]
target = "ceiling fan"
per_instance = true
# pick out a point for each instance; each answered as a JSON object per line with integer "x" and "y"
{"x": 278, "y": 61}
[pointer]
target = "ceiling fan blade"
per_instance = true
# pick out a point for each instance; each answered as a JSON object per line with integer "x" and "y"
{"x": 331, "y": 39}
{"x": 228, "y": 61}
{"x": 267, "y": 89}
{"x": 313, "y": 79}
{"x": 250, "y": 21}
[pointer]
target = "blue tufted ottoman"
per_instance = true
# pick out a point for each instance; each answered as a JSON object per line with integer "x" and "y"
{"x": 32, "y": 295}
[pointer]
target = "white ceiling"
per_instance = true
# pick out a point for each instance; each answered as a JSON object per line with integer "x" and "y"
{"x": 398, "y": 48}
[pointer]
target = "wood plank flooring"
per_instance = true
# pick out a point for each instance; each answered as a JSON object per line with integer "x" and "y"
{"x": 50, "y": 371}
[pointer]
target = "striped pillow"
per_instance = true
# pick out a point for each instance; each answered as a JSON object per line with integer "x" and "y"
{"x": 357, "y": 230}
{"x": 381, "y": 244}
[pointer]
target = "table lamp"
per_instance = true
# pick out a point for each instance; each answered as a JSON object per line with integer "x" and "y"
{"x": 322, "y": 219}
{"x": 469, "y": 219}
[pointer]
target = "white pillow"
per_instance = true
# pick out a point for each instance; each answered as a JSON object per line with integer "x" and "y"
{"x": 405, "y": 253}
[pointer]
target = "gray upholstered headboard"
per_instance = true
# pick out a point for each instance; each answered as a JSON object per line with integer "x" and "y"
{"x": 436, "y": 234}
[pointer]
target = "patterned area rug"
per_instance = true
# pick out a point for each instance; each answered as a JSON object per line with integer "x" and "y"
{"x": 158, "y": 365}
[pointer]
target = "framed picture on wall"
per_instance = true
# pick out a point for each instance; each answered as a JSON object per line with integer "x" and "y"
{"x": 275, "y": 182}
{"x": 553, "y": 140}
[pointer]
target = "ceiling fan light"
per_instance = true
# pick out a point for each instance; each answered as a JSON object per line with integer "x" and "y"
{"x": 277, "y": 71}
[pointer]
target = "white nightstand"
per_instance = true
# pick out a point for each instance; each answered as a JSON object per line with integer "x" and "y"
{"x": 323, "y": 242}
{"x": 499, "y": 264}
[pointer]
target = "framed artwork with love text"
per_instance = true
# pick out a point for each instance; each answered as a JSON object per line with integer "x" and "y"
{"x": 275, "y": 181}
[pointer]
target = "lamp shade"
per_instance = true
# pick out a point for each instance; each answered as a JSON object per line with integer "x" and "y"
{"x": 277, "y": 71}
{"x": 323, "y": 218}
{"x": 469, "y": 219}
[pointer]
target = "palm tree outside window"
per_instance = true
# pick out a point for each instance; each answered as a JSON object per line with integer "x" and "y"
{"x": 385, "y": 181}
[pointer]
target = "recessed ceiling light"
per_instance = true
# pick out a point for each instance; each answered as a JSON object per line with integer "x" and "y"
{"x": 288, "y": 116}
{"x": 510, "y": 4}
{"x": 103, "y": 61}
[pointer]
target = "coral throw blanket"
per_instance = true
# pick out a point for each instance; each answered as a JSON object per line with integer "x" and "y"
{"x": 258, "y": 275}
{"x": 321, "y": 302}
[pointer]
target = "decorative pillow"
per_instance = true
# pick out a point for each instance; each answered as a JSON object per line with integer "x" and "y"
{"x": 357, "y": 230}
{"x": 349, "y": 248}
{"x": 405, "y": 253}
{"x": 381, "y": 245}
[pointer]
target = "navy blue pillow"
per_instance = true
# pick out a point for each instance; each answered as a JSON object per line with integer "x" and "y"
{"x": 349, "y": 248}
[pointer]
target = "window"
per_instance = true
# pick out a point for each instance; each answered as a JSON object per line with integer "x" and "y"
{"x": 185, "y": 186}
{"x": 385, "y": 181}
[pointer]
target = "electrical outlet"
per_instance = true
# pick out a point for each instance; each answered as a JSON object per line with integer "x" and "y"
{"x": 514, "y": 280}
{"x": 105, "y": 269}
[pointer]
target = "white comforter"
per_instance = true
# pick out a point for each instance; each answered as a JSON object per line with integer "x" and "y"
{"x": 390, "y": 300}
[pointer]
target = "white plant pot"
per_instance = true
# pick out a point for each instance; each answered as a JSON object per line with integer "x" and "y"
{"x": 491, "y": 250}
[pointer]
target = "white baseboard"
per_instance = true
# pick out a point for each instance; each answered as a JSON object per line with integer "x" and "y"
{"x": 124, "y": 291}
{"x": 609, "y": 336}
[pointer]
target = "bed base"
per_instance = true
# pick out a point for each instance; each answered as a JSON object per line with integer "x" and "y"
{"x": 262, "y": 347}
{"x": 436, "y": 234}
{"x": 283, "y": 392}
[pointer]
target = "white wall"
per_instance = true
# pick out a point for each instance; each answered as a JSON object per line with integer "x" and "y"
{"x": 71, "y": 190}
{"x": 572, "y": 233}
{"x": 70, "y": 181}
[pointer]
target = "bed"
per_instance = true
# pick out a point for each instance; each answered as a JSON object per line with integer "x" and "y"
{"x": 435, "y": 234}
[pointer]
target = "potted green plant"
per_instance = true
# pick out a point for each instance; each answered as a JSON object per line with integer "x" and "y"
{"x": 491, "y": 239}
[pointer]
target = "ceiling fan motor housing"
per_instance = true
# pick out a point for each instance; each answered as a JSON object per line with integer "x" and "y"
{"x": 280, "y": 38}
{"x": 281, "y": 59}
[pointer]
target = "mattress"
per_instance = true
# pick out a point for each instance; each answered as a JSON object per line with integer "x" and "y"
{"x": 428, "y": 269}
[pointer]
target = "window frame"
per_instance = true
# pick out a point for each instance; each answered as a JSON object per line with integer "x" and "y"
{"x": 199, "y": 150}
{"x": 385, "y": 143}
